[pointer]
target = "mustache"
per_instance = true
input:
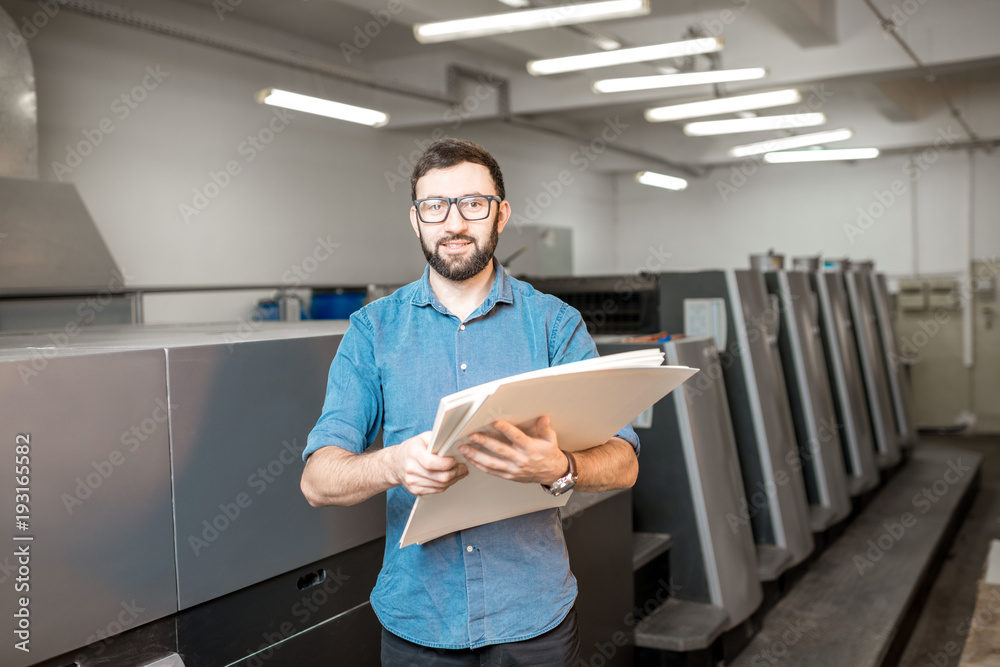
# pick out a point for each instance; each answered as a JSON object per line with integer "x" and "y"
{"x": 457, "y": 237}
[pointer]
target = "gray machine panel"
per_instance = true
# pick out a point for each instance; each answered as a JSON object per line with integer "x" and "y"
{"x": 848, "y": 393}
{"x": 755, "y": 323}
{"x": 706, "y": 436}
{"x": 808, "y": 385}
{"x": 765, "y": 443}
{"x": 102, "y": 554}
{"x": 873, "y": 367}
{"x": 690, "y": 486}
{"x": 895, "y": 369}
{"x": 240, "y": 415}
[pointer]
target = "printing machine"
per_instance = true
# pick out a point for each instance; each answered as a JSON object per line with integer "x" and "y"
{"x": 808, "y": 384}
{"x": 872, "y": 356}
{"x": 165, "y": 511}
{"x": 899, "y": 384}
{"x": 689, "y": 487}
{"x": 847, "y": 390}
{"x": 733, "y": 306}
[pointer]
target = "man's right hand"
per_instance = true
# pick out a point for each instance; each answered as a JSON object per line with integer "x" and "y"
{"x": 420, "y": 472}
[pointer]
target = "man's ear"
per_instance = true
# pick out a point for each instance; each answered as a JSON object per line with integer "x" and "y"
{"x": 414, "y": 222}
{"x": 503, "y": 216}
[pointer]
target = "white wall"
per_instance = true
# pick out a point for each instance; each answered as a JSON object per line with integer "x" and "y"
{"x": 318, "y": 183}
{"x": 863, "y": 210}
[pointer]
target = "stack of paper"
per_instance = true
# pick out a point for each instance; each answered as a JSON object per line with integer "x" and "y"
{"x": 587, "y": 402}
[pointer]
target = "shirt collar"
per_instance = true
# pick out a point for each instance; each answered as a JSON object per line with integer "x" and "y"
{"x": 500, "y": 292}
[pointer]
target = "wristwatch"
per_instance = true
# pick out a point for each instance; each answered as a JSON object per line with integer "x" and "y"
{"x": 566, "y": 482}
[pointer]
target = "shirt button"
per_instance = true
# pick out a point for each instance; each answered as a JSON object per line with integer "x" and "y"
{"x": 469, "y": 549}
{"x": 462, "y": 367}
{"x": 461, "y": 328}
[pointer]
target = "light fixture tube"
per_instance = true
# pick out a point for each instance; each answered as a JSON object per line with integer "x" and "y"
{"x": 796, "y": 141}
{"x": 528, "y": 19}
{"x": 661, "y": 180}
{"x": 321, "y": 107}
{"x": 639, "y": 54}
{"x": 705, "y": 128}
{"x": 722, "y": 105}
{"x": 672, "y": 80}
{"x": 822, "y": 155}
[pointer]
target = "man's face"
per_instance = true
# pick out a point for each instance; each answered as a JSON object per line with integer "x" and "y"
{"x": 459, "y": 249}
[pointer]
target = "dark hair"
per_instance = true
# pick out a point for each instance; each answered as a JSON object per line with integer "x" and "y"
{"x": 450, "y": 152}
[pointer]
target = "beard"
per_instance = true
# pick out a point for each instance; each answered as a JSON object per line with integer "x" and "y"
{"x": 458, "y": 269}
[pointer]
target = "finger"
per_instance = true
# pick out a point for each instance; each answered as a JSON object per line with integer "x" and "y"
{"x": 512, "y": 433}
{"x": 544, "y": 430}
{"x": 487, "y": 463}
{"x": 434, "y": 462}
{"x": 494, "y": 446}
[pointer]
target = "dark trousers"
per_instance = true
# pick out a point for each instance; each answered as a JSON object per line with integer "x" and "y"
{"x": 559, "y": 647}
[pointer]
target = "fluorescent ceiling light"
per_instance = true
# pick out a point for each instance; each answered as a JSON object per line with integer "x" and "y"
{"x": 672, "y": 80}
{"x": 528, "y": 19}
{"x": 797, "y": 141}
{"x": 822, "y": 155}
{"x": 639, "y": 54}
{"x": 661, "y": 180}
{"x": 704, "y": 128}
{"x": 321, "y": 107}
{"x": 721, "y": 105}
{"x": 516, "y": 3}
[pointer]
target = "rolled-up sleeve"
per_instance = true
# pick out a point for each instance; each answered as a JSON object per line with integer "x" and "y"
{"x": 352, "y": 411}
{"x": 570, "y": 342}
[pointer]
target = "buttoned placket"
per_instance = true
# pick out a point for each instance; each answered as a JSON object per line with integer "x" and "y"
{"x": 475, "y": 587}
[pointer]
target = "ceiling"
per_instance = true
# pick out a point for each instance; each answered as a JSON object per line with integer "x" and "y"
{"x": 846, "y": 63}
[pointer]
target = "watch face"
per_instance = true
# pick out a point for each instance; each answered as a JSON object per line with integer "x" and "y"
{"x": 562, "y": 485}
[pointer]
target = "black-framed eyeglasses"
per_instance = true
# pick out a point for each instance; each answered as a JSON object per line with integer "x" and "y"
{"x": 471, "y": 207}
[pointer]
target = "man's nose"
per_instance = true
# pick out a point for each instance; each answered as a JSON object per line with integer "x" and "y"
{"x": 455, "y": 223}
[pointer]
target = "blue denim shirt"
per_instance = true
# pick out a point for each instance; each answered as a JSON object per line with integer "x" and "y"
{"x": 502, "y": 582}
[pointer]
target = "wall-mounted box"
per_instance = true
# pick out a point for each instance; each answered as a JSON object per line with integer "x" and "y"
{"x": 912, "y": 296}
{"x": 942, "y": 294}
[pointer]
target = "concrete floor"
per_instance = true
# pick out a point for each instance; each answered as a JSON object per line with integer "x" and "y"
{"x": 936, "y": 640}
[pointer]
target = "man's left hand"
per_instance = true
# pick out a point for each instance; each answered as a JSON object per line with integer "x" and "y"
{"x": 524, "y": 458}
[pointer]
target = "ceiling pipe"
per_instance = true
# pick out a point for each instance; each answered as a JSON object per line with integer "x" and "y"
{"x": 457, "y": 72}
{"x": 121, "y": 16}
{"x": 887, "y": 25}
